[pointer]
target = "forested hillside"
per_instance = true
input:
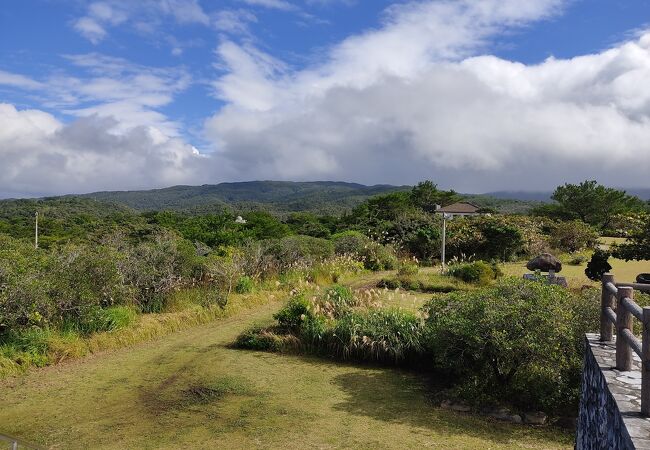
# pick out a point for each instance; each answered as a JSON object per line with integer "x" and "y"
{"x": 277, "y": 196}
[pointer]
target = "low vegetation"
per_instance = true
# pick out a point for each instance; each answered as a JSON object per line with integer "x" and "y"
{"x": 106, "y": 276}
{"x": 517, "y": 343}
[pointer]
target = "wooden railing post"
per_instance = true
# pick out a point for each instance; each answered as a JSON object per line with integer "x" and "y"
{"x": 606, "y": 301}
{"x": 623, "y": 321}
{"x": 645, "y": 363}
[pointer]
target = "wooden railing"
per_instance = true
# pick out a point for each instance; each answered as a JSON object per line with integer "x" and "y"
{"x": 618, "y": 310}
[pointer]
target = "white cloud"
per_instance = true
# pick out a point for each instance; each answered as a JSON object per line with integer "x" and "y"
{"x": 144, "y": 15}
{"x": 90, "y": 29}
{"x": 411, "y": 101}
{"x": 272, "y": 4}
{"x": 19, "y": 81}
{"x": 416, "y": 98}
{"x": 43, "y": 156}
{"x": 234, "y": 21}
{"x": 114, "y": 87}
{"x": 185, "y": 11}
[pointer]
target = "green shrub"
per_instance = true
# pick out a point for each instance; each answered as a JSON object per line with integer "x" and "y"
{"x": 339, "y": 296}
{"x": 478, "y": 272}
{"x": 572, "y": 236}
{"x": 296, "y": 252}
{"x": 385, "y": 335}
{"x": 518, "y": 342}
{"x": 102, "y": 319}
{"x": 439, "y": 287}
{"x": 598, "y": 265}
{"x": 577, "y": 260}
{"x": 389, "y": 283}
{"x": 244, "y": 285}
{"x": 291, "y": 316}
{"x": 115, "y": 318}
{"x": 407, "y": 270}
{"x": 330, "y": 270}
{"x": 373, "y": 255}
{"x": 410, "y": 283}
{"x": 258, "y": 338}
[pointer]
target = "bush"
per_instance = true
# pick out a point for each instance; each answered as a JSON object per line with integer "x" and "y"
{"x": 330, "y": 270}
{"x": 572, "y": 236}
{"x": 598, "y": 265}
{"x": 298, "y": 252}
{"x": 478, "y": 272}
{"x": 577, "y": 260}
{"x": 244, "y": 285}
{"x": 339, "y": 296}
{"x": 385, "y": 335}
{"x": 501, "y": 238}
{"x": 373, "y": 255}
{"x": 292, "y": 315}
{"x": 407, "y": 270}
{"x": 100, "y": 319}
{"x": 389, "y": 283}
{"x": 518, "y": 342}
{"x": 258, "y": 338}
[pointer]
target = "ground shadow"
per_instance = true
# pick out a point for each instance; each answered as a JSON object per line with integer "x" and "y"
{"x": 396, "y": 396}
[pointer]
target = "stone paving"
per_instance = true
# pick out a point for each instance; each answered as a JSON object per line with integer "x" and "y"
{"x": 624, "y": 392}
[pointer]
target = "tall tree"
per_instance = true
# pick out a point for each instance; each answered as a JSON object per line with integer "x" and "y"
{"x": 593, "y": 203}
{"x": 637, "y": 246}
{"x": 426, "y": 195}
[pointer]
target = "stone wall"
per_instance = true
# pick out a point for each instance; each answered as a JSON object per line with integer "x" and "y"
{"x": 610, "y": 406}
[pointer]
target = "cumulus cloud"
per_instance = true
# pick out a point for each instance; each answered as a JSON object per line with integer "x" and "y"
{"x": 118, "y": 138}
{"x": 412, "y": 100}
{"x": 418, "y": 97}
{"x": 41, "y": 155}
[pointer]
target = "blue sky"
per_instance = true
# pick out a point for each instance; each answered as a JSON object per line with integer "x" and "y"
{"x": 117, "y": 94}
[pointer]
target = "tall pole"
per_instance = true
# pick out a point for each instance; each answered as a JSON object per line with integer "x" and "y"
{"x": 444, "y": 238}
{"x": 36, "y": 232}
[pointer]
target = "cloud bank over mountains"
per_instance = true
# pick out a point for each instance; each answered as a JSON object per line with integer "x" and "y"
{"x": 418, "y": 97}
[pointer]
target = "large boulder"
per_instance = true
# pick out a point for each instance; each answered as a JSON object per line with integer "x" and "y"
{"x": 544, "y": 262}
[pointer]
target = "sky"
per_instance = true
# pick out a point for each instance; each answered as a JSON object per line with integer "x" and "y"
{"x": 475, "y": 95}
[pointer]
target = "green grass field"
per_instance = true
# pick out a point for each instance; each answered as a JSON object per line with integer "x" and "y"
{"x": 624, "y": 271}
{"x": 190, "y": 389}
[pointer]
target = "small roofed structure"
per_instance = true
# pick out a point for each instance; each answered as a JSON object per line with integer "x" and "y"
{"x": 460, "y": 209}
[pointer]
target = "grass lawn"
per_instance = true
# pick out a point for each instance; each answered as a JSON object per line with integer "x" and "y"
{"x": 624, "y": 271}
{"x": 191, "y": 390}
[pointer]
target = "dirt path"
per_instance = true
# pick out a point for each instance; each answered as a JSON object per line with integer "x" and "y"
{"x": 191, "y": 390}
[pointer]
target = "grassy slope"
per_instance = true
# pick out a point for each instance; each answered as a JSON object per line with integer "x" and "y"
{"x": 190, "y": 390}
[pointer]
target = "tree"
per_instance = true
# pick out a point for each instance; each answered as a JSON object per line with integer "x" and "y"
{"x": 598, "y": 265}
{"x": 593, "y": 203}
{"x": 572, "y": 236}
{"x": 426, "y": 195}
{"x": 307, "y": 224}
{"x": 637, "y": 247}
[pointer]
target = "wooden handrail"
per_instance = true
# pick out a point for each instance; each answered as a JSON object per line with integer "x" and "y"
{"x": 636, "y": 286}
{"x": 611, "y": 287}
{"x": 619, "y": 309}
{"x": 634, "y": 309}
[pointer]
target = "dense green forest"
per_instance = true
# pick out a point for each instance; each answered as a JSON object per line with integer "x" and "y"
{"x": 278, "y": 196}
